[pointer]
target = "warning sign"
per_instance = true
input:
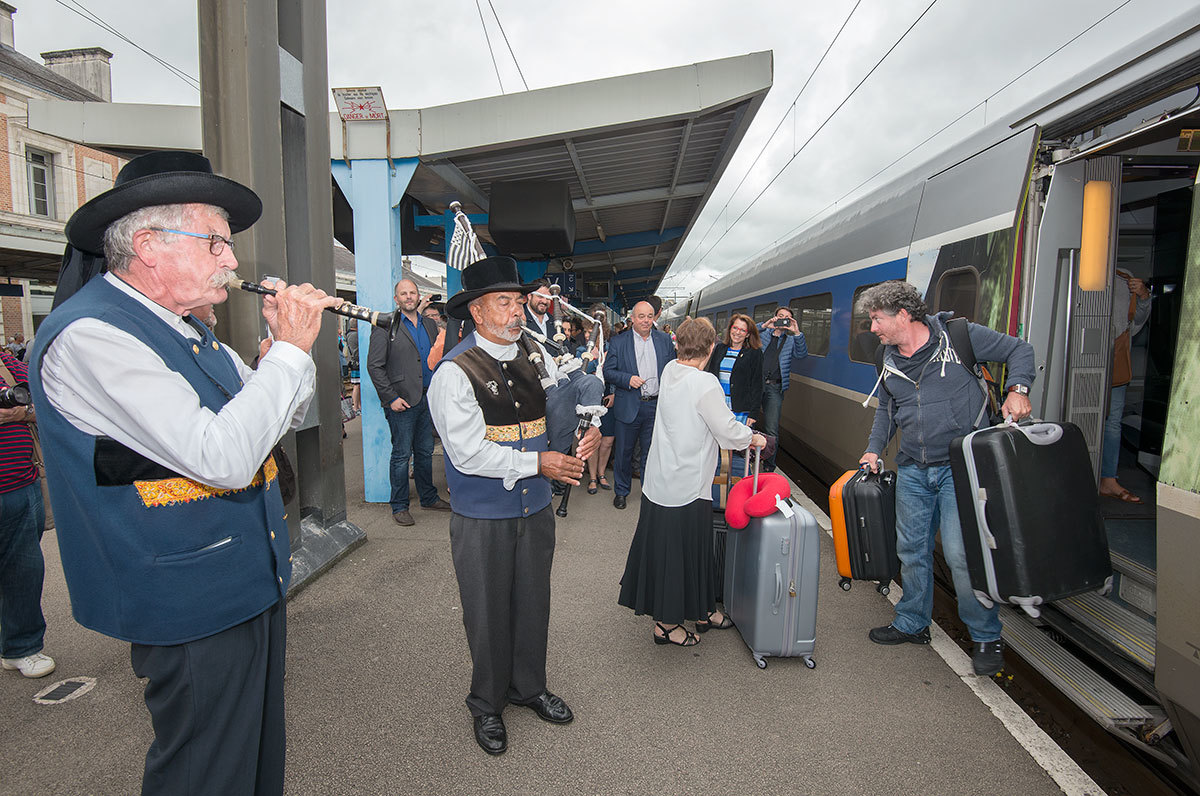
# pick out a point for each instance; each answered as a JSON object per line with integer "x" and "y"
{"x": 360, "y": 104}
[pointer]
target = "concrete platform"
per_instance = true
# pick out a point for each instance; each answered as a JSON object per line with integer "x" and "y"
{"x": 378, "y": 669}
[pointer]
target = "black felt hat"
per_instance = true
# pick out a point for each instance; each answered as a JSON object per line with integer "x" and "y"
{"x": 161, "y": 178}
{"x": 489, "y": 275}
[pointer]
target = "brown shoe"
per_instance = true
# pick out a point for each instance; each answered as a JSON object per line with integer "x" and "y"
{"x": 440, "y": 505}
{"x": 403, "y": 518}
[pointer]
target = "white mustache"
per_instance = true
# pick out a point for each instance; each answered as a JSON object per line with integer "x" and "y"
{"x": 222, "y": 278}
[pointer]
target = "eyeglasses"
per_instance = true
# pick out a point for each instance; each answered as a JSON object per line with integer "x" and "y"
{"x": 216, "y": 244}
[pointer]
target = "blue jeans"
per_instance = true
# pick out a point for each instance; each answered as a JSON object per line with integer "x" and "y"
{"x": 925, "y": 500}
{"x": 772, "y": 407}
{"x": 412, "y": 436}
{"x": 22, "y": 569}
{"x": 1111, "y": 450}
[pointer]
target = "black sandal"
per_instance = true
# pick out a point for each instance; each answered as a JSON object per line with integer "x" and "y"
{"x": 690, "y": 639}
{"x": 707, "y": 625}
{"x": 592, "y": 487}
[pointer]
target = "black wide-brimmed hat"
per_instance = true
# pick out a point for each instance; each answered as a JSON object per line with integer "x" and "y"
{"x": 161, "y": 178}
{"x": 489, "y": 275}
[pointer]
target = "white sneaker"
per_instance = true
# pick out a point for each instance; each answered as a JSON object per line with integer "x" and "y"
{"x": 35, "y": 665}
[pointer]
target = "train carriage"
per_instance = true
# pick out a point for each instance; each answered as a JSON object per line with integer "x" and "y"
{"x": 993, "y": 230}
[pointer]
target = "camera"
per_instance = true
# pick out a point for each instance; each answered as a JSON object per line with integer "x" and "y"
{"x": 782, "y": 323}
{"x": 435, "y": 297}
{"x": 12, "y": 397}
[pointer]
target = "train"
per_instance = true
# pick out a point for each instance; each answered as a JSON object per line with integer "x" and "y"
{"x": 993, "y": 229}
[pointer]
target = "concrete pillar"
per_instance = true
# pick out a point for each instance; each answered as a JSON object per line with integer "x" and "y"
{"x": 264, "y": 90}
{"x": 374, "y": 191}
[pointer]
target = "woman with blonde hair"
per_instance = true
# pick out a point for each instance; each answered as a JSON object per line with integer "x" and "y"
{"x": 669, "y": 573}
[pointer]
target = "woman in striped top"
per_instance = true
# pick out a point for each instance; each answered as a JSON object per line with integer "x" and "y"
{"x": 737, "y": 364}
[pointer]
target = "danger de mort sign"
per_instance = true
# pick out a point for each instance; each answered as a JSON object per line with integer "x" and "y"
{"x": 360, "y": 104}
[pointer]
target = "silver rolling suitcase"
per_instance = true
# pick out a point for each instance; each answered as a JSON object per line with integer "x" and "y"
{"x": 771, "y": 571}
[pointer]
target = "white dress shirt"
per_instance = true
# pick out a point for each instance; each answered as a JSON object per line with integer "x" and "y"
{"x": 690, "y": 424}
{"x": 460, "y": 424}
{"x": 647, "y": 362}
{"x": 106, "y": 382}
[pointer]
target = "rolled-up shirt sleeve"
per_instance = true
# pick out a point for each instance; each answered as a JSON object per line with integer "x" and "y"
{"x": 460, "y": 424}
{"x": 106, "y": 382}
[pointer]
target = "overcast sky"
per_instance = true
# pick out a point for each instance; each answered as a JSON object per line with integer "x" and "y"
{"x": 423, "y": 54}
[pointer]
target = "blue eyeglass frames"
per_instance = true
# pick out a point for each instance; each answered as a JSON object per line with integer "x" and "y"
{"x": 216, "y": 244}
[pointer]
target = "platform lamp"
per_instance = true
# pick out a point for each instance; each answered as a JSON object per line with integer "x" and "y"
{"x": 1096, "y": 236}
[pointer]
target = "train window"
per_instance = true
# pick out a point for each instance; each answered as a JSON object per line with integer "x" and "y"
{"x": 813, "y": 315}
{"x": 719, "y": 323}
{"x": 863, "y": 341}
{"x": 958, "y": 290}
{"x": 764, "y": 311}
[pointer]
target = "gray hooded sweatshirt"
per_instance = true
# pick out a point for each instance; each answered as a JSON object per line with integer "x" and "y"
{"x": 932, "y": 397}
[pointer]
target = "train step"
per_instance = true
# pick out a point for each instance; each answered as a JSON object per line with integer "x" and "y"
{"x": 1139, "y": 583}
{"x": 1094, "y": 695}
{"x": 1129, "y": 633}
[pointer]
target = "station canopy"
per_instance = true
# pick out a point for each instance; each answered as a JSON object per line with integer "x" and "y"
{"x": 641, "y": 155}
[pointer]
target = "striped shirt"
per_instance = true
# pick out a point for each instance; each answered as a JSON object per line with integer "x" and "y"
{"x": 16, "y": 441}
{"x": 727, "y": 364}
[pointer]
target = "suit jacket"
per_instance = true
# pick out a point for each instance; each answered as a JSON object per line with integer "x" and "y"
{"x": 394, "y": 363}
{"x": 621, "y": 365}
{"x": 532, "y": 323}
{"x": 746, "y": 378}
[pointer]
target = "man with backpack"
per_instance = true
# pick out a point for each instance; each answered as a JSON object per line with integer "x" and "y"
{"x": 933, "y": 392}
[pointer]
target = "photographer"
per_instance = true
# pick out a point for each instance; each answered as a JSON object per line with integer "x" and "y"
{"x": 22, "y": 521}
{"x": 785, "y": 344}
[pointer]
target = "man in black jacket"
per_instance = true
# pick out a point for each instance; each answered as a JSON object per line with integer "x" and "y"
{"x": 397, "y": 363}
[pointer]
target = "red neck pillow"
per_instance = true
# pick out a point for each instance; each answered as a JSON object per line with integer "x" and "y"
{"x": 743, "y": 502}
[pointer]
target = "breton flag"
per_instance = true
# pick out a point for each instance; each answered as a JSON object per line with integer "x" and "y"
{"x": 464, "y": 246}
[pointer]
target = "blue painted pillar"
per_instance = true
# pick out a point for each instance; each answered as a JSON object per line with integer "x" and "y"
{"x": 375, "y": 191}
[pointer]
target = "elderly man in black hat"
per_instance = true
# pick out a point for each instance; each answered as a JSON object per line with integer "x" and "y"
{"x": 489, "y": 407}
{"x": 166, "y": 498}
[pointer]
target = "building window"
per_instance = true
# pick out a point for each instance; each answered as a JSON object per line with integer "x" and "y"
{"x": 813, "y": 315}
{"x": 764, "y": 311}
{"x": 719, "y": 323}
{"x": 958, "y": 290}
{"x": 863, "y": 341}
{"x": 39, "y": 167}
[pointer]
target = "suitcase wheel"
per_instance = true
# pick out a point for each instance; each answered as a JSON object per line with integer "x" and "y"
{"x": 762, "y": 662}
{"x": 883, "y": 588}
{"x": 810, "y": 663}
{"x": 845, "y": 584}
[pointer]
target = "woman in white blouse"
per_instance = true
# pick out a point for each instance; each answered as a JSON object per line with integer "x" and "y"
{"x": 669, "y": 573}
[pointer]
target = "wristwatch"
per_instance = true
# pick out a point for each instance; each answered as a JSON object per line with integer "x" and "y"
{"x": 1019, "y": 389}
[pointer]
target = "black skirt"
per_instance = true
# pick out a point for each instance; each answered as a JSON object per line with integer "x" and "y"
{"x": 669, "y": 573}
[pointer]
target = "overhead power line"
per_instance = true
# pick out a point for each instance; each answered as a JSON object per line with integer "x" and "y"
{"x": 814, "y": 134}
{"x": 77, "y": 7}
{"x": 488, "y": 39}
{"x": 510, "y": 49}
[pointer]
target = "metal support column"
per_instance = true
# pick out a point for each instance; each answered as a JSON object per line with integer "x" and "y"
{"x": 262, "y": 64}
{"x": 374, "y": 191}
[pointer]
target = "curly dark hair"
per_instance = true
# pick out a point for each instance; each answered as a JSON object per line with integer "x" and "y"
{"x": 891, "y": 297}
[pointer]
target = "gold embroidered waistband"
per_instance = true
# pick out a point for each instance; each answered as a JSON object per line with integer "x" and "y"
{"x": 171, "y": 491}
{"x": 517, "y": 431}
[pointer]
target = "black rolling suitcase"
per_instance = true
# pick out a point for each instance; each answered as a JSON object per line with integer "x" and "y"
{"x": 862, "y": 506}
{"x": 1030, "y": 513}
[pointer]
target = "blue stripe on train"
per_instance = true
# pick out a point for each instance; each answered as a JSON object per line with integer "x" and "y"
{"x": 835, "y": 367}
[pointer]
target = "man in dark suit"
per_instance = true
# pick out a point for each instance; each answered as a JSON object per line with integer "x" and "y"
{"x": 537, "y": 309}
{"x": 397, "y": 361}
{"x": 634, "y": 364}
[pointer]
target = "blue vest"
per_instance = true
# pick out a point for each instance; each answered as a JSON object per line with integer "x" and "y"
{"x": 152, "y": 557}
{"x": 509, "y": 423}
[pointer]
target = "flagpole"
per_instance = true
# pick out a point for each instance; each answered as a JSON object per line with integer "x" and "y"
{"x": 462, "y": 248}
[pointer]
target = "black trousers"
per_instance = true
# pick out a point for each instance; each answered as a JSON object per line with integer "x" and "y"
{"x": 217, "y": 709}
{"x": 503, "y": 569}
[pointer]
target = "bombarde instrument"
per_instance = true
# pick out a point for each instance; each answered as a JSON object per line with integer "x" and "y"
{"x": 381, "y": 319}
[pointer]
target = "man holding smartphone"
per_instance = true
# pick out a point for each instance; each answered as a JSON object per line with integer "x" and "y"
{"x": 785, "y": 344}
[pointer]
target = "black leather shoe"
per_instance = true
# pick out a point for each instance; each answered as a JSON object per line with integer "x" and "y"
{"x": 890, "y": 635}
{"x": 619, "y": 501}
{"x": 987, "y": 658}
{"x": 551, "y": 708}
{"x": 490, "y": 734}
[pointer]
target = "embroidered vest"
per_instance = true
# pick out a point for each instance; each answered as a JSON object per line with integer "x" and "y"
{"x": 149, "y": 556}
{"x": 514, "y": 411}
